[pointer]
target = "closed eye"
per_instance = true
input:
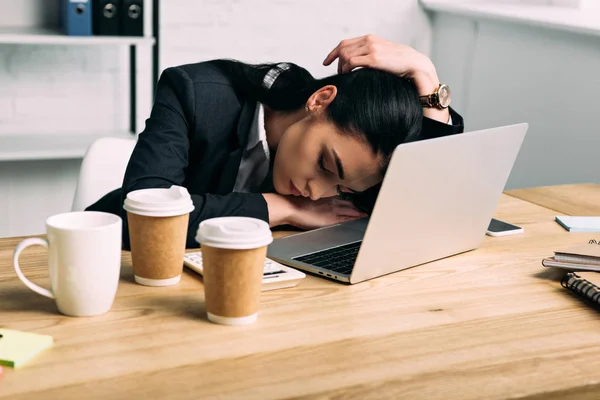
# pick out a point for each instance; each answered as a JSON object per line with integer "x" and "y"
{"x": 322, "y": 164}
{"x": 339, "y": 188}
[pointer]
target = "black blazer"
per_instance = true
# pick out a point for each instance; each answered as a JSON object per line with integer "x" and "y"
{"x": 195, "y": 137}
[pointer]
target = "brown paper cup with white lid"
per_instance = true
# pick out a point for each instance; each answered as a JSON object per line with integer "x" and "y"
{"x": 158, "y": 223}
{"x": 233, "y": 254}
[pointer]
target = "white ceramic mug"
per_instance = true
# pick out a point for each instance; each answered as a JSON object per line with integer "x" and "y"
{"x": 84, "y": 260}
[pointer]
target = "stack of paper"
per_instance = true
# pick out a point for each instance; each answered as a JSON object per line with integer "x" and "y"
{"x": 579, "y": 224}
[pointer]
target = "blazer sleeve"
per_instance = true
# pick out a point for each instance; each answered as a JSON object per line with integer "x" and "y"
{"x": 434, "y": 129}
{"x": 431, "y": 129}
{"x": 161, "y": 155}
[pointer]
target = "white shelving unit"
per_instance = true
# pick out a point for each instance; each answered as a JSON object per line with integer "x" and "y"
{"x": 49, "y": 146}
{"x": 52, "y": 146}
{"x": 40, "y": 162}
{"x": 54, "y": 37}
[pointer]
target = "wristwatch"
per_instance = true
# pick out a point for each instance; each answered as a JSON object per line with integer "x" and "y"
{"x": 441, "y": 98}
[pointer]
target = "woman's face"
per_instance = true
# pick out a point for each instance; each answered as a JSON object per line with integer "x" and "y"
{"x": 315, "y": 160}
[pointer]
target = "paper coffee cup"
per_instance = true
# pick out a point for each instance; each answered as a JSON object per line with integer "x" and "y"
{"x": 158, "y": 223}
{"x": 233, "y": 253}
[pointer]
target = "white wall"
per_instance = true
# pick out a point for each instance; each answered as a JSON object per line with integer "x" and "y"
{"x": 284, "y": 30}
{"x": 558, "y": 3}
{"x": 505, "y": 73}
{"x": 72, "y": 89}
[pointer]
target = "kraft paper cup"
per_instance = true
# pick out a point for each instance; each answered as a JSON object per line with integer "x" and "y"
{"x": 158, "y": 223}
{"x": 233, "y": 253}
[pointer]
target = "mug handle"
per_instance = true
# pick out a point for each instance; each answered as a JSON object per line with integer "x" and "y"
{"x": 20, "y": 247}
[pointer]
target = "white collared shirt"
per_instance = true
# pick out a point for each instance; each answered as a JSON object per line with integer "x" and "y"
{"x": 256, "y": 158}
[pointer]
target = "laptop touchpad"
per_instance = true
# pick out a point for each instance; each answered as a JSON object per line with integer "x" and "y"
{"x": 360, "y": 224}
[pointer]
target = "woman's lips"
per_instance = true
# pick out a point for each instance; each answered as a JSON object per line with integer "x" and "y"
{"x": 294, "y": 189}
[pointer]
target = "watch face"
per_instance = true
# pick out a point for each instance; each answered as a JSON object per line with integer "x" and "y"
{"x": 445, "y": 96}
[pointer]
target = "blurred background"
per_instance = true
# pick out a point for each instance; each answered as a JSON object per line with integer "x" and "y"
{"x": 507, "y": 61}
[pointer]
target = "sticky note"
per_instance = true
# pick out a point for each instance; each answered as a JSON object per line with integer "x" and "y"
{"x": 16, "y": 347}
{"x": 579, "y": 224}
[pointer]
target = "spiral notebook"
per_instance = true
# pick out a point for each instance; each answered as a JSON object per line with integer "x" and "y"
{"x": 585, "y": 285}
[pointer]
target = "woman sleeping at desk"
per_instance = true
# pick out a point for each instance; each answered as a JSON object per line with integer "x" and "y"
{"x": 272, "y": 142}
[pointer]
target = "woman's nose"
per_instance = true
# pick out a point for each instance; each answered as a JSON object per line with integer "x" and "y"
{"x": 314, "y": 192}
{"x": 318, "y": 190}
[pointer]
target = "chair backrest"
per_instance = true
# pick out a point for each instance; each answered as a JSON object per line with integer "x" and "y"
{"x": 102, "y": 170}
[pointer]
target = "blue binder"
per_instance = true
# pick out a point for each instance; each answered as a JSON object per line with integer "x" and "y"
{"x": 77, "y": 17}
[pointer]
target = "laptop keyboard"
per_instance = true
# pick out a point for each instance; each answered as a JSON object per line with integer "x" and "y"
{"x": 338, "y": 259}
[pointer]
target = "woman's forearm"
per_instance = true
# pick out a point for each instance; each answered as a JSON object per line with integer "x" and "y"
{"x": 280, "y": 209}
{"x": 426, "y": 81}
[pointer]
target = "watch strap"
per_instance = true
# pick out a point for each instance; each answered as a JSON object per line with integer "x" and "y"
{"x": 430, "y": 100}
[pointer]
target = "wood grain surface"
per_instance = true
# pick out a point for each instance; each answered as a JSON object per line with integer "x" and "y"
{"x": 578, "y": 200}
{"x": 487, "y": 324}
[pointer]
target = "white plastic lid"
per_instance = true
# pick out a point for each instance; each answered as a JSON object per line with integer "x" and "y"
{"x": 236, "y": 233}
{"x": 159, "y": 202}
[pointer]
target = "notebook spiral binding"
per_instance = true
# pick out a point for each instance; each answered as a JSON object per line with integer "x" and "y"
{"x": 581, "y": 287}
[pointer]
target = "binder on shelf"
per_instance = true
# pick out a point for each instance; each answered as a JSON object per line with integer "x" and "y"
{"x": 132, "y": 18}
{"x": 106, "y": 17}
{"x": 77, "y": 17}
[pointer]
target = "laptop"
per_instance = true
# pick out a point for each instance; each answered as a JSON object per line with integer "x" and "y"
{"x": 436, "y": 200}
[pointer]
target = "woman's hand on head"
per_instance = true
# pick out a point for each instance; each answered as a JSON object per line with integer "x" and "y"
{"x": 374, "y": 52}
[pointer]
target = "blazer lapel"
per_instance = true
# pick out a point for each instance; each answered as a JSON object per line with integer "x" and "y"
{"x": 232, "y": 165}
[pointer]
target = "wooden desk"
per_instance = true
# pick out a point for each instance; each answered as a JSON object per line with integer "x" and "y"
{"x": 581, "y": 199}
{"x": 487, "y": 324}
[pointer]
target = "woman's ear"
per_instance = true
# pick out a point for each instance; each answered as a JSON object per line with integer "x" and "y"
{"x": 321, "y": 99}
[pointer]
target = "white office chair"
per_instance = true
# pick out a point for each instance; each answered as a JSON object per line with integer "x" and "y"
{"x": 102, "y": 170}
